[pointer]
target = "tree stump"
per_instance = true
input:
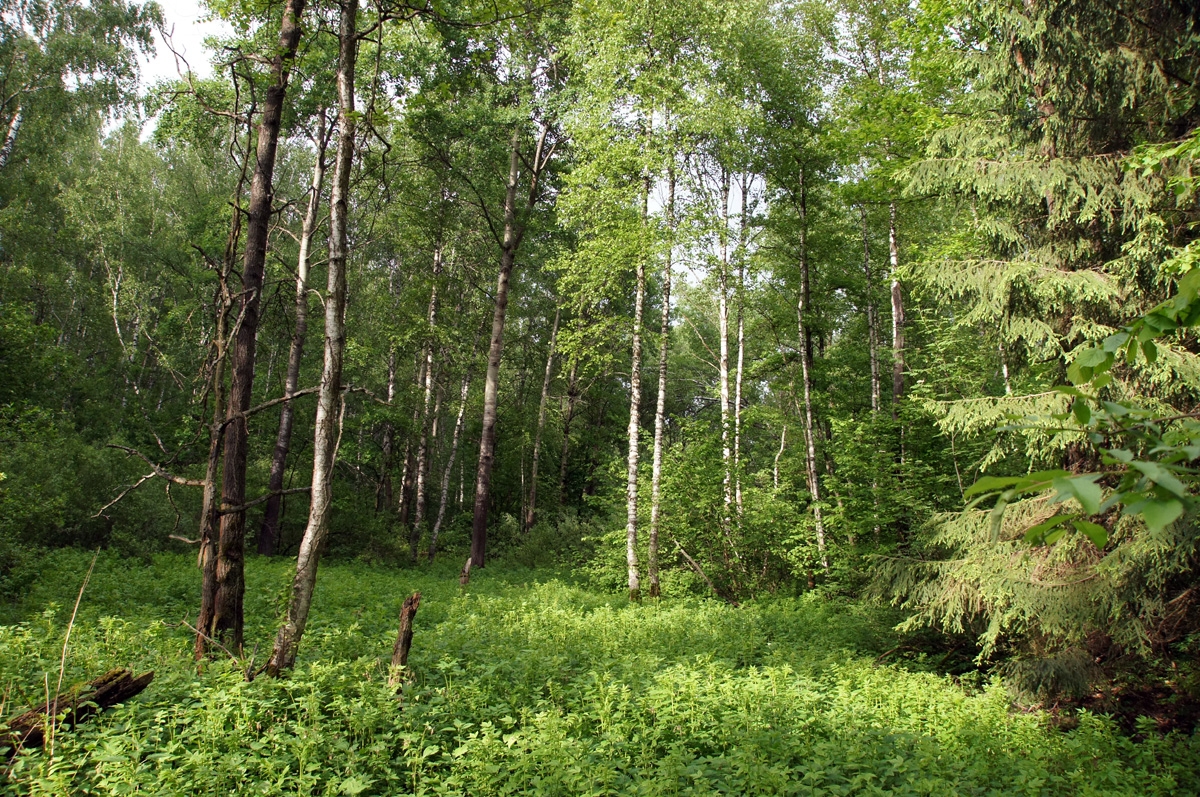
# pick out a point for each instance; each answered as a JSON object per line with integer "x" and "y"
{"x": 404, "y": 638}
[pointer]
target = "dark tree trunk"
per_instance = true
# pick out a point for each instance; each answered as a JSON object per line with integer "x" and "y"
{"x": 210, "y": 518}
{"x": 231, "y": 584}
{"x": 487, "y": 442}
{"x": 404, "y": 638}
{"x": 514, "y": 231}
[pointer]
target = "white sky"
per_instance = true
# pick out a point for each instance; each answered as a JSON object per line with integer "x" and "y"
{"x": 185, "y": 22}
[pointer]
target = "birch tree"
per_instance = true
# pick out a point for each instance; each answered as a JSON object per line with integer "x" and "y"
{"x": 330, "y": 404}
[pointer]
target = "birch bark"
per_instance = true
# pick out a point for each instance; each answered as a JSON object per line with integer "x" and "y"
{"x": 803, "y": 308}
{"x": 572, "y": 402}
{"x": 268, "y": 533}
{"x": 661, "y": 403}
{"x": 329, "y": 400}
{"x": 897, "y": 313}
{"x": 531, "y": 512}
{"x": 723, "y": 359}
{"x": 426, "y": 398}
{"x": 631, "y": 472}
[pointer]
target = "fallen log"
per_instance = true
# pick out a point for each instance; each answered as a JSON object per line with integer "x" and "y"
{"x": 404, "y": 638}
{"x": 70, "y": 709}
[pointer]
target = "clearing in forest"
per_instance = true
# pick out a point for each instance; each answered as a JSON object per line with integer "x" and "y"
{"x": 525, "y": 683}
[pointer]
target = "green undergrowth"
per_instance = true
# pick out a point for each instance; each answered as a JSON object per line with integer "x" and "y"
{"x": 525, "y": 683}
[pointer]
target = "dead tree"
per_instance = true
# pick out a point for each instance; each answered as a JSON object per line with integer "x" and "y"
{"x": 404, "y": 638}
{"x": 29, "y": 728}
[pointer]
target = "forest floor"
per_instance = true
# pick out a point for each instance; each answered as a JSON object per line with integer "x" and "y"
{"x": 526, "y": 682}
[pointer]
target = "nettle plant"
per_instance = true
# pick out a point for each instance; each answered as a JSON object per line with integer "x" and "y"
{"x": 1148, "y": 459}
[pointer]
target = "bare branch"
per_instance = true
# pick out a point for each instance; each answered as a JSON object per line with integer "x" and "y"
{"x": 262, "y": 499}
{"x": 266, "y": 405}
{"x": 123, "y": 493}
{"x": 158, "y": 471}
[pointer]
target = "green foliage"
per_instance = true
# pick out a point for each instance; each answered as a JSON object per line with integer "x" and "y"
{"x": 536, "y": 688}
{"x": 1016, "y": 179}
{"x": 1068, "y": 171}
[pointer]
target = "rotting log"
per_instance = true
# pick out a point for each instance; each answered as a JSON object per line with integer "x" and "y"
{"x": 408, "y": 613}
{"x": 70, "y": 709}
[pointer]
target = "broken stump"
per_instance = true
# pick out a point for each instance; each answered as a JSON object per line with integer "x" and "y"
{"x": 404, "y": 637}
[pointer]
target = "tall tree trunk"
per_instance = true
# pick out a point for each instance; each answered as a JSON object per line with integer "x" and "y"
{"x": 268, "y": 534}
{"x": 404, "y": 504}
{"x": 383, "y": 492}
{"x": 425, "y": 382}
{"x": 487, "y": 442}
{"x": 514, "y": 231}
{"x": 329, "y": 401}
{"x": 872, "y": 350}
{"x": 897, "y": 346}
{"x": 660, "y": 406}
{"x": 723, "y": 359}
{"x": 779, "y": 455}
{"x": 635, "y": 401}
{"x": 458, "y": 424}
{"x": 897, "y": 313}
{"x": 872, "y": 318}
{"x": 209, "y": 516}
{"x": 227, "y": 621}
{"x": 531, "y": 512}
{"x": 1004, "y": 369}
{"x": 572, "y": 402}
{"x": 407, "y": 466}
{"x": 744, "y": 222}
{"x": 426, "y": 398}
{"x": 806, "y": 368}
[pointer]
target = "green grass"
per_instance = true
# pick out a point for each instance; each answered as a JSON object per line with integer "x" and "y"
{"x": 529, "y": 684}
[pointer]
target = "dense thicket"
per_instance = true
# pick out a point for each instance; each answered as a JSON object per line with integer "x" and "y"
{"x": 723, "y": 299}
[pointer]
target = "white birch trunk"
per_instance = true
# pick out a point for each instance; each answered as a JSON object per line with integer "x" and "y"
{"x": 806, "y": 365}
{"x": 329, "y": 400}
{"x": 458, "y": 424}
{"x": 723, "y": 358}
{"x": 897, "y": 313}
{"x": 661, "y": 404}
{"x": 268, "y": 534}
{"x": 426, "y": 398}
{"x": 531, "y": 511}
{"x": 10, "y": 138}
{"x": 635, "y": 400}
{"x": 872, "y": 318}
